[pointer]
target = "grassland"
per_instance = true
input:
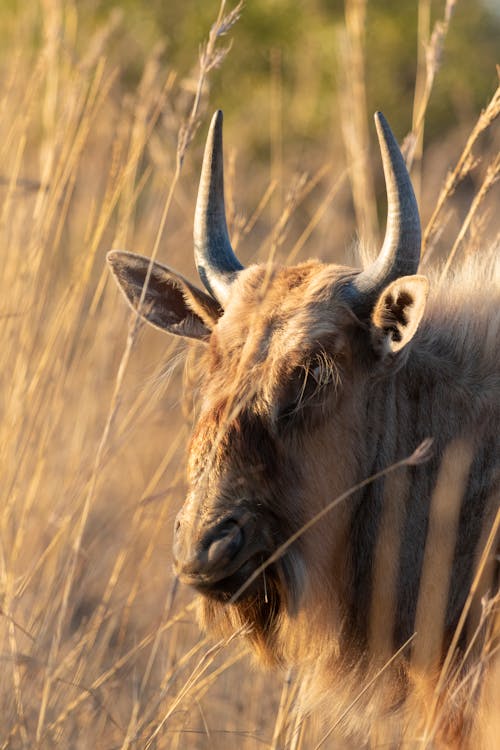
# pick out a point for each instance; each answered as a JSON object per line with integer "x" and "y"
{"x": 99, "y": 645}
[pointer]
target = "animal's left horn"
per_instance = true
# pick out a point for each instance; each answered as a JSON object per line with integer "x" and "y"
{"x": 215, "y": 259}
{"x": 400, "y": 253}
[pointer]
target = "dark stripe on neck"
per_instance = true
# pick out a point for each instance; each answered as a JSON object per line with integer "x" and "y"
{"x": 420, "y": 425}
{"x": 367, "y": 513}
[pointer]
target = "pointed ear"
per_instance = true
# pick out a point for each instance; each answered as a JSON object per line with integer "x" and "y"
{"x": 171, "y": 302}
{"x": 398, "y": 312}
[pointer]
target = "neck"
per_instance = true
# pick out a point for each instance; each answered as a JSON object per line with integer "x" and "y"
{"x": 398, "y": 520}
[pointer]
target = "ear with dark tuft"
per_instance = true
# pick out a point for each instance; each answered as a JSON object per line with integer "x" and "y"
{"x": 398, "y": 312}
{"x": 170, "y": 302}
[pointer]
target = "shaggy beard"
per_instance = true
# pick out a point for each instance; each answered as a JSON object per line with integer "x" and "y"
{"x": 272, "y": 598}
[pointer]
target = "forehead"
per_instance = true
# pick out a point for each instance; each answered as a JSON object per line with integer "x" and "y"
{"x": 278, "y": 313}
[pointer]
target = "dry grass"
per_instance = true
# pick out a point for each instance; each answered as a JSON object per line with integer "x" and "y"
{"x": 98, "y": 644}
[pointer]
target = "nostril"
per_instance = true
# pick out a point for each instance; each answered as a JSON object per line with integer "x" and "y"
{"x": 224, "y": 543}
{"x": 217, "y": 548}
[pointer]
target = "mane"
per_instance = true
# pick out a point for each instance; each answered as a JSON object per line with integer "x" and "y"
{"x": 462, "y": 322}
{"x": 475, "y": 278}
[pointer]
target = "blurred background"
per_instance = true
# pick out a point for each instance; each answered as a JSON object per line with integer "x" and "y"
{"x": 104, "y": 108}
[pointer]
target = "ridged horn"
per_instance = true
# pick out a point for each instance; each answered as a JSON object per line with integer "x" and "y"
{"x": 215, "y": 259}
{"x": 400, "y": 253}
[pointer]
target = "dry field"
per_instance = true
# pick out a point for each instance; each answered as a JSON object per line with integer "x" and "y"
{"x": 99, "y": 646}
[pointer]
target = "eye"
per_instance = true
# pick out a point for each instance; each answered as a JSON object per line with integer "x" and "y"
{"x": 308, "y": 384}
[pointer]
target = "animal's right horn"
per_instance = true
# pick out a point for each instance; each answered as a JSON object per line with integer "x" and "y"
{"x": 215, "y": 259}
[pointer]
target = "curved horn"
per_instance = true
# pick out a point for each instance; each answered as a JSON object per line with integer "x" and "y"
{"x": 215, "y": 260}
{"x": 400, "y": 253}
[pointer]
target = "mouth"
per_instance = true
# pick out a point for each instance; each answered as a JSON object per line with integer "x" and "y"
{"x": 236, "y": 579}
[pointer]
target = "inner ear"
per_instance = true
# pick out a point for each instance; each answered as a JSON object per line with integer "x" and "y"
{"x": 170, "y": 302}
{"x": 398, "y": 312}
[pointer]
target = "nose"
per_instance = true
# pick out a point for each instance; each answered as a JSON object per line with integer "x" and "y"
{"x": 217, "y": 547}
